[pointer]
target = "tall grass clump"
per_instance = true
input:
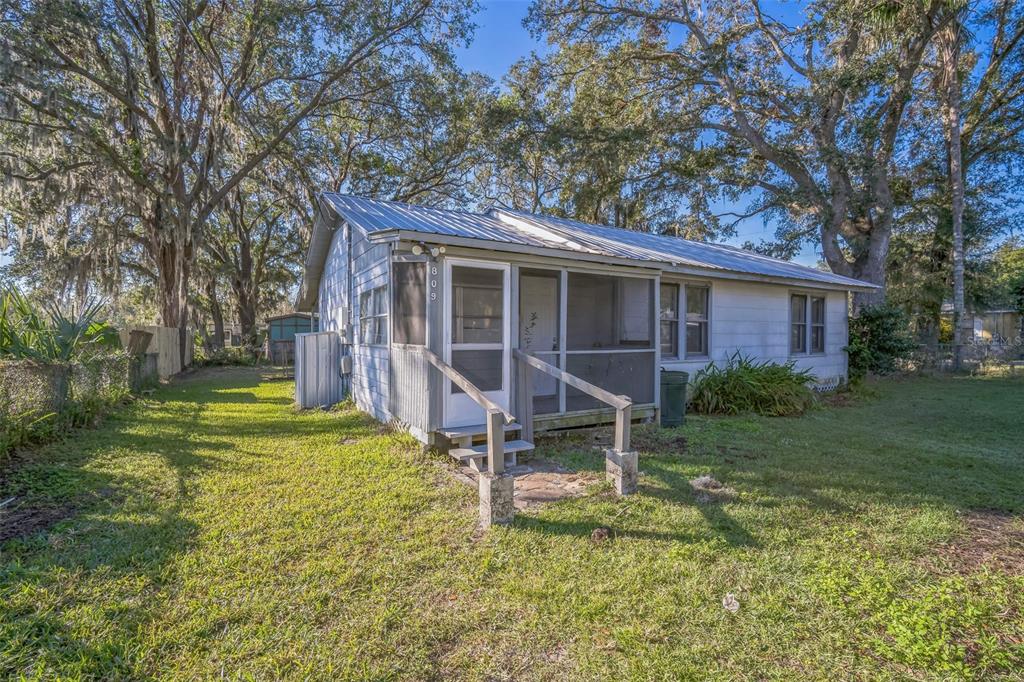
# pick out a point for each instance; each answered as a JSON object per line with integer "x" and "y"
{"x": 744, "y": 385}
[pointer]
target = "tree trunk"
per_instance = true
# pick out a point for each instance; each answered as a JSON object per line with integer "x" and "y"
{"x": 246, "y": 296}
{"x": 246, "y": 302}
{"x": 173, "y": 266}
{"x": 216, "y": 314}
{"x": 869, "y": 265}
{"x": 950, "y": 49}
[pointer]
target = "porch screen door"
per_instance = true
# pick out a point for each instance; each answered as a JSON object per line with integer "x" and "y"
{"x": 477, "y": 336}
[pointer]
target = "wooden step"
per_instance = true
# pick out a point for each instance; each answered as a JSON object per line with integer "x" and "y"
{"x": 480, "y": 451}
{"x": 473, "y": 430}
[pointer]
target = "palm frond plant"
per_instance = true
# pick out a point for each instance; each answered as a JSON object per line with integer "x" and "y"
{"x": 50, "y": 334}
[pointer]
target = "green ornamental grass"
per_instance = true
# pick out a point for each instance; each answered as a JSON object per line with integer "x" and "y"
{"x": 747, "y": 386}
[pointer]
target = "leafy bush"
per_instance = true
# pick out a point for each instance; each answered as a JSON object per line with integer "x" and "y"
{"x": 745, "y": 385}
{"x": 879, "y": 338}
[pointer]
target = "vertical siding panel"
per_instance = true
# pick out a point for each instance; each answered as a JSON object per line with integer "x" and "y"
{"x": 316, "y": 370}
{"x": 409, "y": 388}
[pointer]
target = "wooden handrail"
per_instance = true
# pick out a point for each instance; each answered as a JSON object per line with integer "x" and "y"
{"x": 466, "y": 385}
{"x": 617, "y": 401}
{"x": 622, "y": 404}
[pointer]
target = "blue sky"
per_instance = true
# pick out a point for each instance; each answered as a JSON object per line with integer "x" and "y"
{"x": 501, "y": 40}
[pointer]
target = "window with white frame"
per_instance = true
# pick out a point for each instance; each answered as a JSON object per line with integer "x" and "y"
{"x": 373, "y": 317}
{"x": 669, "y": 336}
{"x": 697, "y": 321}
{"x": 817, "y": 324}
{"x": 807, "y": 324}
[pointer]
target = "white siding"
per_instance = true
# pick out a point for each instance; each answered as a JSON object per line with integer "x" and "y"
{"x": 334, "y": 283}
{"x": 753, "y": 318}
{"x": 370, "y": 370}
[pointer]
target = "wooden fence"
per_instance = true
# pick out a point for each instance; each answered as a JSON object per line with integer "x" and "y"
{"x": 165, "y": 345}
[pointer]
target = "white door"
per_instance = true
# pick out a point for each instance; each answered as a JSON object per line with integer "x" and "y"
{"x": 477, "y": 336}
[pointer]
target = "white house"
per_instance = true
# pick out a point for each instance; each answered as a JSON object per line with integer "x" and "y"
{"x": 436, "y": 317}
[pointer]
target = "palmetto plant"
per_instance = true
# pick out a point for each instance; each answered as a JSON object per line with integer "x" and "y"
{"x": 49, "y": 334}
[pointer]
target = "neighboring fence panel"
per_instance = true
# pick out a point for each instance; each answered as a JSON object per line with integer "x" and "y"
{"x": 165, "y": 344}
{"x": 318, "y": 380}
{"x": 281, "y": 353}
{"x": 973, "y": 356}
{"x": 40, "y": 400}
{"x": 410, "y": 392}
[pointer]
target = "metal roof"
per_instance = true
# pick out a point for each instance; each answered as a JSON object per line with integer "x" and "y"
{"x": 534, "y": 230}
{"x": 679, "y": 251}
{"x": 375, "y": 215}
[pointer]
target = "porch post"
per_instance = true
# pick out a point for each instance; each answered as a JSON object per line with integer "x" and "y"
{"x": 496, "y": 487}
{"x": 621, "y": 469}
{"x": 524, "y": 399}
{"x": 620, "y": 463}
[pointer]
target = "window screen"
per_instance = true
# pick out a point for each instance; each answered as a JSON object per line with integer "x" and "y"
{"x": 477, "y": 305}
{"x": 798, "y": 323}
{"x": 622, "y": 373}
{"x": 608, "y": 312}
{"x": 669, "y": 335}
{"x": 538, "y": 310}
{"x": 696, "y": 321}
{"x": 409, "y": 303}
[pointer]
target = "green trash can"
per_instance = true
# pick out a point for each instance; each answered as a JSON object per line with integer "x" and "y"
{"x": 673, "y": 397}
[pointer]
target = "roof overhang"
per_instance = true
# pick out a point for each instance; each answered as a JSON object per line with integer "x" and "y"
{"x": 316, "y": 256}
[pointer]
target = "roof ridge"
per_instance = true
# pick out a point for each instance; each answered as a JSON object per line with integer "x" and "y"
{"x": 395, "y": 202}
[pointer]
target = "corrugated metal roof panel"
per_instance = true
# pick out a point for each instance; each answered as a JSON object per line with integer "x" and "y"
{"x": 375, "y": 215}
{"x": 644, "y": 245}
{"x": 530, "y": 229}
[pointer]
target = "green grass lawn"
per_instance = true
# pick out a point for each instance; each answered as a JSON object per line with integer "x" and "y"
{"x": 213, "y": 531}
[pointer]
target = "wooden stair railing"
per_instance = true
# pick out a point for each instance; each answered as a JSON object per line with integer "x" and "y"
{"x": 496, "y": 414}
{"x": 524, "y": 398}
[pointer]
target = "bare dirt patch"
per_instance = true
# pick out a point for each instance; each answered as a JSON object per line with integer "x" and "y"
{"x": 730, "y": 454}
{"x": 539, "y": 482}
{"x": 709, "y": 490}
{"x": 23, "y": 520}
{"x": 837, "y": 399}
{"x": 991, "y": 538}
{"x": 657, "y": 440}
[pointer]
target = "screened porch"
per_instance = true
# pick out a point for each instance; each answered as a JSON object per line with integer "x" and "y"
{"x": 598, "y": 327}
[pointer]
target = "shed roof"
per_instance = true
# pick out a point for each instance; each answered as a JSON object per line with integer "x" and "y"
{"x": 569, "y": 238}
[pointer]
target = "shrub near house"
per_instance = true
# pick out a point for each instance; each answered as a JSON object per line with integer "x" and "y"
{"x": 744, "y": 385}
